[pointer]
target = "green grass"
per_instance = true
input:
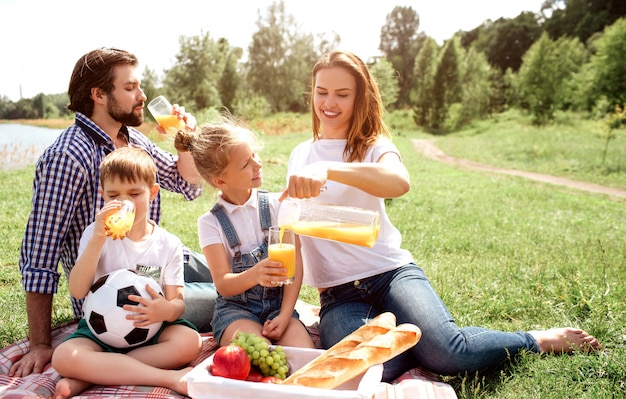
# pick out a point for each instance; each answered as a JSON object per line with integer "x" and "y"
{"x": 573, "y": 147}
{"x": 503, "y": 252}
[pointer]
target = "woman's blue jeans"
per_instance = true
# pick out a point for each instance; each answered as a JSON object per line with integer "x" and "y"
{"x": 406, "y": 292}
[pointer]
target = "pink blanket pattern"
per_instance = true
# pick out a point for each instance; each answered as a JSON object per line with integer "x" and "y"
{"x": 414, "y": 384}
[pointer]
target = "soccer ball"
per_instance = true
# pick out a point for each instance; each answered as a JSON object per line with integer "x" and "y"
{"x": 103, "y": 310}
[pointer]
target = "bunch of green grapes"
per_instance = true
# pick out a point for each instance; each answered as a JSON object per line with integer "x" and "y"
{"x": 271, "y": 362}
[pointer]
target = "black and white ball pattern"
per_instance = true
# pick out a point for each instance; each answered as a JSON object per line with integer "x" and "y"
{"x": 103, "y": 310}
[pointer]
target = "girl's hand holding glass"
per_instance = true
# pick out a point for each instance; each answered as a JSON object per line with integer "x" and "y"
{"x": 281, "y": 248}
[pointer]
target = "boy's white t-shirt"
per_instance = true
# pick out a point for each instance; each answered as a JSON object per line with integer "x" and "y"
{"x": 246, "y": 222}
{"x": 329, "y": 263}
{"x": 160, "y": 256}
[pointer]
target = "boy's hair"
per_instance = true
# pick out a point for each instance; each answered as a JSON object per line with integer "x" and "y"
{"x": 129, "y": 164}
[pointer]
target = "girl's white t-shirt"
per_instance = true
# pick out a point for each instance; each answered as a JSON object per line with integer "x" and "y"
{"x": 328, "y": 263}
{"x": 160, "y": 256}
{"x": 245, "y": 220}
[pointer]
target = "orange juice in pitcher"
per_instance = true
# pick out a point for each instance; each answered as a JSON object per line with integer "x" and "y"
{"x": 346, "y": 224}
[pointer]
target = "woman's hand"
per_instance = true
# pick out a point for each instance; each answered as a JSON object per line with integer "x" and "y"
{"x": 310, "y": 182}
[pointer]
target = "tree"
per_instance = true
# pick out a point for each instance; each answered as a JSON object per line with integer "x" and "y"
{"x": 194, "y": 79}
{"x": 58, "y": 106}
{"x": 616, "y": 120}
{"x": 544, "y": 77}
{"x": 230, "y": 81}
{"x": 280, "y": 59}
{"x": 150, "y": 83}
{"x": 609, "y": 64}
{"x": 446, "y": 86}
{"x": 38, "y": 105}
{"x": 581, "y": 18}
{"x": 387, "y": 81}
{"x": 571, "y": 55}
{"x": 506, "y": 40}
{"x": 423, "y": 86}
{"x": 398, "y": 42}
{"x": 476, "y": 75}
{"x": 6, "y": 107}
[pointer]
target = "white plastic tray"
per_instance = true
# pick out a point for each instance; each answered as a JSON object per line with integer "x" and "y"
{"x": 201, "y": 384}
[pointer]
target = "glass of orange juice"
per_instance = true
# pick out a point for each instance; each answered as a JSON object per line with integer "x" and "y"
{"x": 120, "y": 222}
{"x": 161, "y": 109}
{"x": 281, "y": 247}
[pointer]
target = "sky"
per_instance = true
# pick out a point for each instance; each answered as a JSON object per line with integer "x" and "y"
{"x": 41, "y": 40}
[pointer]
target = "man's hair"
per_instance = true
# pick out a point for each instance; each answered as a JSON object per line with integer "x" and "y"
{"x": 129, "y": 164}
{"x": 95, "y": 69}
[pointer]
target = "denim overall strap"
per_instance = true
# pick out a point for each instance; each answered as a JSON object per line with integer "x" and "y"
{"x": 265, "y": 217}
{"x": 227, "y": 227}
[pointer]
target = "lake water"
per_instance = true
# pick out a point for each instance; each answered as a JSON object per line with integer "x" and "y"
{"x": 21, "y": 145}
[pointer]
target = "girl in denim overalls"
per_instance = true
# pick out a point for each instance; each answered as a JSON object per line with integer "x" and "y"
{"x": 233, "y": 237}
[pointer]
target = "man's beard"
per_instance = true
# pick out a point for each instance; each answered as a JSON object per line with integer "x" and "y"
{"x": 125, "y": 118}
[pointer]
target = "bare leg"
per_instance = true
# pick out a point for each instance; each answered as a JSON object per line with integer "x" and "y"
{"x": 296, "y": 335}
{"x": 82, "y": 360}
{"x": 565, "y": 340}
{"x": 244, "y": 325}
{"x": 178, "y": 346}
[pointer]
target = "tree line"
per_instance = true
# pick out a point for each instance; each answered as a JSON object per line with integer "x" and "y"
{"x": 570, "y": 55}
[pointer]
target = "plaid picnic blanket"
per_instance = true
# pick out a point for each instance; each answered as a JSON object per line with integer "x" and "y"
{"x": 414, "y": 384}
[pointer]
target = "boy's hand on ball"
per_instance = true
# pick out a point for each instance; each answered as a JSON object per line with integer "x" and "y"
{"x": 147, "y": 311}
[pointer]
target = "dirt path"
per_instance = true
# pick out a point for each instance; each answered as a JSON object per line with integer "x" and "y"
{"x": 427, "y": 148}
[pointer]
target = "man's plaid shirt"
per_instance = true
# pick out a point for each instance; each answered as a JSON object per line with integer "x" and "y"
{"x": 66, "y": 199}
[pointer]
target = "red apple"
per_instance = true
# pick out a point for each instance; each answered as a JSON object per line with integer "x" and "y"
{"x": 231, "y": 362}
{"x": 254, "y": 376}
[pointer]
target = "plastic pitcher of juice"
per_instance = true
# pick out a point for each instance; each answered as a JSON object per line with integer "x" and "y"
{"x": 334, "y": 222}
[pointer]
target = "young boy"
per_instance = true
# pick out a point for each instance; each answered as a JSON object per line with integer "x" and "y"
{"x": 82, "y": 359}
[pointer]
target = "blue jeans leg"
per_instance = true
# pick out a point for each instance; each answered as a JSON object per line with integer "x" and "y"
{"x": 200, "y": 301}
{"x": 199, "y": 290}
{"x": 444, "y": 347}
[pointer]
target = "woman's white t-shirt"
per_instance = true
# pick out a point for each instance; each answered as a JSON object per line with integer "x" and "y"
{"x": 328, "y": 263}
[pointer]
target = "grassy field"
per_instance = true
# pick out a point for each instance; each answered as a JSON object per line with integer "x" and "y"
{"x": 503, "y": 252}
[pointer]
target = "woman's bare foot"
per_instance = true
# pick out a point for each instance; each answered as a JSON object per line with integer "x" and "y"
{"x": 68, "y": 387}
{"x": 565, "y": 340}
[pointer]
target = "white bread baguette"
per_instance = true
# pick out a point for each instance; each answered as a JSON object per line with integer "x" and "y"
{"x": 331, "y": 370}
{"x": 380, "y": 324}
